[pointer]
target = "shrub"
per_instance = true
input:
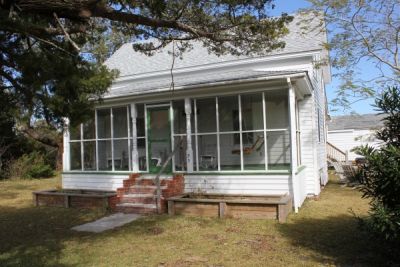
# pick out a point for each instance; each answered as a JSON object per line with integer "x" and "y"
{"x": 380, "y": 179}
{"x": 31, "y": 165}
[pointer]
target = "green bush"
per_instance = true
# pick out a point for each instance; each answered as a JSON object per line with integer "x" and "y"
{"x": 29, "y": 166}
{"x": 381, "y": 172}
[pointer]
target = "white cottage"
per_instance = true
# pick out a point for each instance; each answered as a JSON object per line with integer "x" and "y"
{"x": 350, "y": 131}
{"x": 239, "y": 125}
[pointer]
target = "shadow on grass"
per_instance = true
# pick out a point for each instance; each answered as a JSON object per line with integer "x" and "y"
{"x": 339, "y": 240}
{"x": 8, "y": 195}
{"x": 34, "y": 236}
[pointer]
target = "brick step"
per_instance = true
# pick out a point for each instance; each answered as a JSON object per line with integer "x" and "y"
{"x": 138, "y": 195}
{"x": 143, "y": 189}
{"x": 143, "y": 200}
{"x": 138, "y": 208}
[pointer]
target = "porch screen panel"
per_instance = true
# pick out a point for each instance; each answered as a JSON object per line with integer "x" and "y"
{"x": 180, "y": 143}
{"x": 277, "y": 110}
{"x": 206, "y": 134}
{"x": 278, "y": 150}
{"x": 179, "y": 135}
{"x": 75, "y": 147}
{"x": 89, "y": 145}
{"x": 277, "y": 123}
{"x": 179, "y": 117}
{"x": 104, "y": 123}
{"x": 89, "y": 129}
{"x": 207, "y": 146}
{"x": 141, "y": 137}
{"x": 105, "y": 159}
{"x": 253, "y": 132}
{"x": 229, "y": 133}
{"x": 121, "y": 156}
{"x": 120, "y": 138}
{"x": 74, "y": 132}
{"x": 206, "y": 115}
{"x": 75, "y": 156}
{"x": 89, "y": 155}
{"x": 120, "y": 123}
{"x": 104, "y": 139}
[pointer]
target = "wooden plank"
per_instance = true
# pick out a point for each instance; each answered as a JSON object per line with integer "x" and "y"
{"x": 252, "y": 211}
{"x": 171, "y": 207}
{"x": 251, "y": 207}
{"x": 35, "y": 199}
{"x": 205, "y": 209}
{"x": 66, "y": 201}
{"x": 222, "y": 209}
{"x": 252, "y": 215}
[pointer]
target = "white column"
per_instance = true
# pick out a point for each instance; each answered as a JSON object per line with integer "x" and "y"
{"x": 293, "y": 146}
{"x": 66, "y": 152}
{"x": 135, "y": 154}
{"x": 189, "y": 149}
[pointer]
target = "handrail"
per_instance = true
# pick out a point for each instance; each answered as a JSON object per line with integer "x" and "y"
{"x": 336, "y": 153}
{"x": 157, "y": 178}
{"x": 336, "y": 148}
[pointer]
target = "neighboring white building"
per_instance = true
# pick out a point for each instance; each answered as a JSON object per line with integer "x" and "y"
{"x": 248, "y": 125}
{"x": 348, "y": 132}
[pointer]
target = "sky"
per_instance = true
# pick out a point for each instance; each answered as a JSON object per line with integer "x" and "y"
{"x": 361, "y": 107}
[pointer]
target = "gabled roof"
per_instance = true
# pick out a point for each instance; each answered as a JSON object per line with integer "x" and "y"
{"x": 130, "y": 62}
{"x": 356, "y": 122}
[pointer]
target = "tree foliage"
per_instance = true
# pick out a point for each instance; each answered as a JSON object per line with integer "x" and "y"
{"x": 51, "y": 51}
{"x": 362, "y": 32}
{"x": 381, "y": 173}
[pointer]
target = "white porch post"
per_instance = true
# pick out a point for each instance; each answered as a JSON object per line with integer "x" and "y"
{"x": 189, "y": 149}
{"x": 66, "y": 162}
{"x": 135, "y": 154}
{"x": 293, "y": 145}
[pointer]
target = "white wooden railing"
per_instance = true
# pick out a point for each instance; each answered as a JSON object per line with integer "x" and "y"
{"x": 336, "y": 154}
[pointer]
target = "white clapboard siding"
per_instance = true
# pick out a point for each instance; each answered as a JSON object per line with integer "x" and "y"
{"x": 272, "y": 184}
{"x": 92, "y": 181}
{"x": 301, "y": 192}
{"x": 308, "y": 143}
{"x": 320, "y": 108}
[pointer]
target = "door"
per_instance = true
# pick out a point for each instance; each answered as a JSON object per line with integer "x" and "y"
{"x": 159, "y": 138}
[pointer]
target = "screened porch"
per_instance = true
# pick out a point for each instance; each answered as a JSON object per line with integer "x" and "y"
{"x": 246, "y": 132}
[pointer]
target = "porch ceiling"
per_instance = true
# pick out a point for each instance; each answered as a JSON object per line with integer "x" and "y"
{"x": 190, "y": 82}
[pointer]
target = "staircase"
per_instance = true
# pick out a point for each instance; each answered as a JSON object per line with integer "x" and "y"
{"x": 139, "y": 195}
{"x": 338, "y": 159}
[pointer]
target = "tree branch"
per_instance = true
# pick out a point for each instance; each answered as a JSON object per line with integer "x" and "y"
{"x": 66, "y": 33}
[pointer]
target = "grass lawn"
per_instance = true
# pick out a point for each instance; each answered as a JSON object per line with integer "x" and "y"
{"x": 322, "y": 233}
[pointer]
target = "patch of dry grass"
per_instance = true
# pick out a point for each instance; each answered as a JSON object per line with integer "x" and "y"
{"x": 323, "y": 233}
